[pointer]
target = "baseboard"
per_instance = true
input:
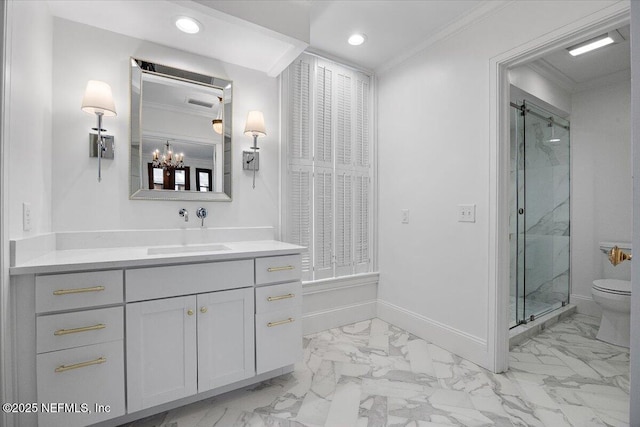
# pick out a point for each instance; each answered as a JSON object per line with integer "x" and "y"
{"x": 339, "y": 316}
{"x": 335, "y": 302}
{"x": 458, "y": 342}
{"x": 586, "y": 305}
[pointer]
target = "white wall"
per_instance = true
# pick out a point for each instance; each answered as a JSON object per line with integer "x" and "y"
{"x": 601, "y": 199}
{"x": 29, "y": 116}
{"x": 81, "y": 53}
{"x": 532, "y": 82}
{"x": 434, "y": 153}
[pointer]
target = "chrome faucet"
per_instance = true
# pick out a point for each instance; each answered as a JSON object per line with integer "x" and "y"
{"x": 184, "y": 213}
{"x": 202, "y": 214}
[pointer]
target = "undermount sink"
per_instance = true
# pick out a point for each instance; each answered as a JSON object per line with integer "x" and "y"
{"x": 186, "y": 249}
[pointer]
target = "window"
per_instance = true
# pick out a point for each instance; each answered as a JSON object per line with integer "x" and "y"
{"x": 328, "y": 185}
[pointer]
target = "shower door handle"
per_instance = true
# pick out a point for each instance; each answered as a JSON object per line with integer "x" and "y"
{"x": 520, "y": 211}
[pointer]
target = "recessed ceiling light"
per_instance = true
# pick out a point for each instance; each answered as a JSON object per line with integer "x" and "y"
{"x": 357, "y": 39}
{"x": 590, "y": 45}
{"x": 188, "y": 25}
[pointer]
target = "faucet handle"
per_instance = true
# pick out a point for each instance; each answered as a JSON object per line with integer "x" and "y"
{"x": 202, "y": 214}
{"x": 184, "y": 213}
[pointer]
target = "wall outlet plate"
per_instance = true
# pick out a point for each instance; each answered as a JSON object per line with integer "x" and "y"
{"x": 248, "y": 157}
{"x": 109, "y": 148}
{"x": 26, "y": 216}
{"x": 466, "y": 213}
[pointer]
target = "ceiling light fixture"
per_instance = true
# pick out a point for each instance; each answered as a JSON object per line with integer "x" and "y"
{"x": 357, "y": 39}
{"x": 590, "y": 45}
{"x": 188, "y": 25}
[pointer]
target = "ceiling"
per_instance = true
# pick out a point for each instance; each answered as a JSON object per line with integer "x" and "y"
{"x": 392, "y": 27}
{"x": 224, "y": 37}
{"x": 268, "y": 35}
{"x": 576, "y": 72}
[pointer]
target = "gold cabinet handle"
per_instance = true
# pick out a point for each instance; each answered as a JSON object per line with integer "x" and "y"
{"x": 203, "y": 309}
{"x": 283, "y": 268}
{"x": 78, "y": 290}
{"x": 279, "y": 297}
{"x": 76, "y": 330}
{"x": 190, "y": 312}
{"x": 64, "y": 368}
{"x": 280, "y": 322}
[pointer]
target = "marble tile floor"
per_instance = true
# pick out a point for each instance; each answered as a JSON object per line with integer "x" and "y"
{"x": 375, "y": 374}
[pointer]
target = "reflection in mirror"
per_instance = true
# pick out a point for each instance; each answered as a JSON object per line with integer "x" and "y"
{"x": 180, "y": 134}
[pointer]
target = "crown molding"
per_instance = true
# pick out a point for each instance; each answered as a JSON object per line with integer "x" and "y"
{"x": 485, "y": 8}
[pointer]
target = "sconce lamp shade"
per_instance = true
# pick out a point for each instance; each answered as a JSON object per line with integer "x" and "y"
{"x": 255, "y": 124}
{"x": 98, "y": 99}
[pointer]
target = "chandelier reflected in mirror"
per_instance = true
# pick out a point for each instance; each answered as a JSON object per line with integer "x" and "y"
{"x": 167, "y": 160}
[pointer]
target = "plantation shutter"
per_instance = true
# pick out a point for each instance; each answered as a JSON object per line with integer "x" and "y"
{"x": 328, "y": 199}
{"x": 299, "y": 185}
{"x": 323, "y": 221}
{"x": 323, "y": 124}
{"x": 300, "y": 98}
{"x": 344, "y": 174}
{"x": 362, "y": 194}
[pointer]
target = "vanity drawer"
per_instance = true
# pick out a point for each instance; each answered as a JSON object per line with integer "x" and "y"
{"x": 278, "y": 297}
{"x": 278, "y": 339}
{"x": 69, "y": 330}
{"x": 278, "y": 269}
{"x": 91, "y": 375}
{"x": 77, "y": 290}
{"x": 161, "y": 282}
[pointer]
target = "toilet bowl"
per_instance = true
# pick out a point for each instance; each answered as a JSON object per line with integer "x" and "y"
{"x": 614, "y": 297}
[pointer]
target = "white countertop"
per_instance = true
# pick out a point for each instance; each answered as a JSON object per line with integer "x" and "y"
{"x": 124, "y": 257}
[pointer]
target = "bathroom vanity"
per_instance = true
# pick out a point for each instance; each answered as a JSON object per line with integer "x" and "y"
{"x": 115, "y": 334}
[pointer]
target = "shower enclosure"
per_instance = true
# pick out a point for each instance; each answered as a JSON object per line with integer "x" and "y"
{"x": 539, "y": 217}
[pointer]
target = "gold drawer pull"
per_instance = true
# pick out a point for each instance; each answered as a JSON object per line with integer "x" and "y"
{"x": 283, "y": 268}
{"x": 281, "y": 322}
{"x": 76, "y": 330}
{"x": 65, "y": 368}
{"x": 78, "y": 290}
{"x": 279, "y": 297}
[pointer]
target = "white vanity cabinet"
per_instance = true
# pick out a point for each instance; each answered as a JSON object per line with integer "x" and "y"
{"x": 180, "y": 346}
{"x": 278, "y": 312}
{"x": 107, "y": 342}
{"x": 80, "y": 354}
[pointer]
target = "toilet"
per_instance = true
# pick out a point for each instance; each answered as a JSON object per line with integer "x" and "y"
{"x": 613, "y": 295}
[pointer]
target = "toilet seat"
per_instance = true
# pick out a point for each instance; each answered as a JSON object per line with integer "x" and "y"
{"x": 613, "y": 286}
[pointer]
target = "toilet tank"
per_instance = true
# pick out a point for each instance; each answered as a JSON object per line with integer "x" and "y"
{"x": 621, "y": 271}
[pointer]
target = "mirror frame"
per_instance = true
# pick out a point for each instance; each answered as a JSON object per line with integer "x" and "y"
{"x": 136, "y": 190}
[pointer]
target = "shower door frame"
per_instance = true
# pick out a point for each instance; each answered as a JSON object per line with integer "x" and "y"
{"x": 599, "y": 22}
{"x": 523, "y": 314}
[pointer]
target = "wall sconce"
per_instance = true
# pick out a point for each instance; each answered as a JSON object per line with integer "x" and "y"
{"x": 255, "y": 128}
{"x": 98, "y": 100}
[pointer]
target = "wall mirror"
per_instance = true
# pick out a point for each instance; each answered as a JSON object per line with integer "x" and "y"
{"x": 180, "y": 134}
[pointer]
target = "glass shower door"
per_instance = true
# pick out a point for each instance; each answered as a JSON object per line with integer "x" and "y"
{"x": 544, "y": 238}
{"x": 516, "y": 219}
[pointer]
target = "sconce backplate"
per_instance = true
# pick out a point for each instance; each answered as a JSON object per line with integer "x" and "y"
{"x": 109, "y": 145}
{"x": 248, "y": 157}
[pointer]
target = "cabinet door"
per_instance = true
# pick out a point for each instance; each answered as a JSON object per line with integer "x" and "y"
{"x": 225, "y": 338}
{"x": 161, "y": 351}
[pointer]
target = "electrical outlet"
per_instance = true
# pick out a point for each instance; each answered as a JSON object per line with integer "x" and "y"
{"x": 405, "y": 216}
{"x": 466, "y": 213}
{"x": 26, "y": 216}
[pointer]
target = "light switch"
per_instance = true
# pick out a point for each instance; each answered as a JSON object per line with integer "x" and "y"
{"x": 405, "y": 216}
{"x": 466, "y": 213}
